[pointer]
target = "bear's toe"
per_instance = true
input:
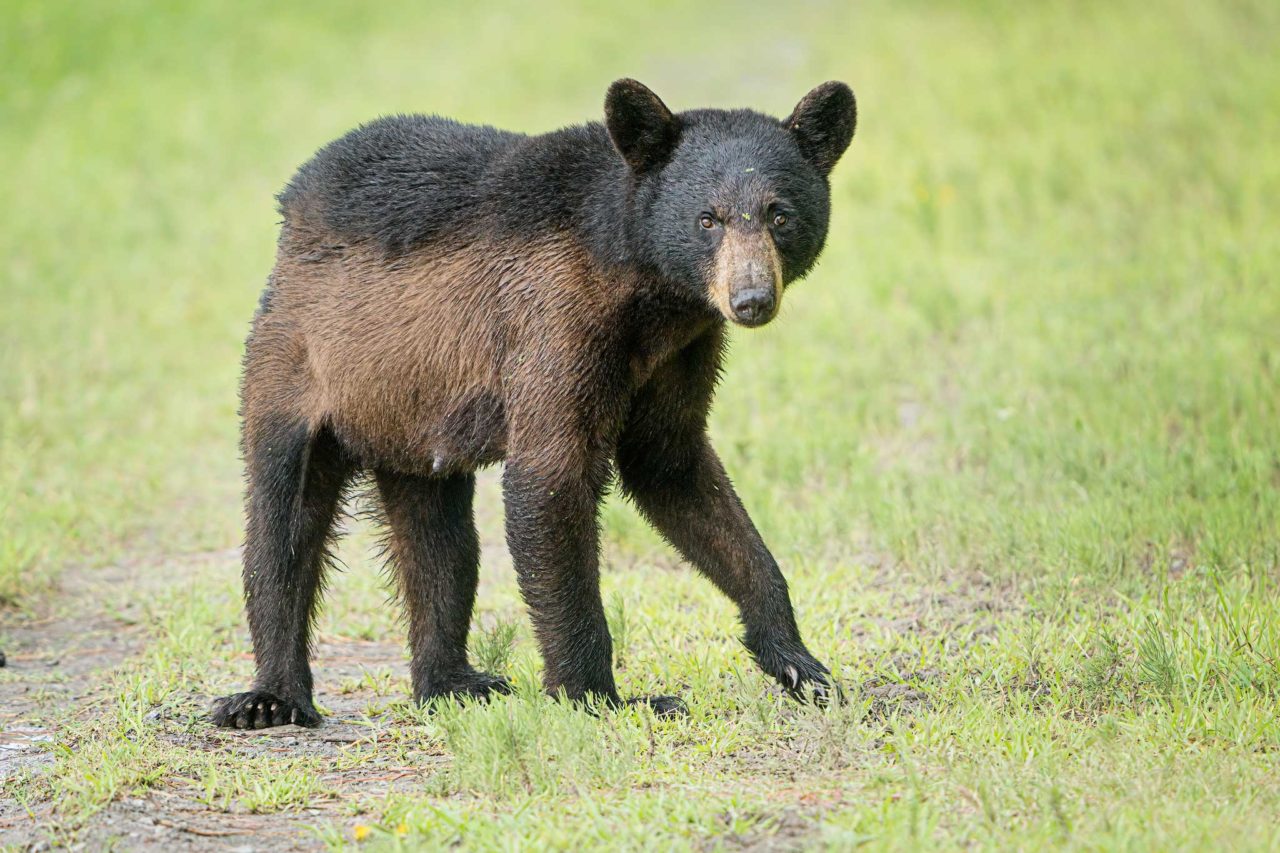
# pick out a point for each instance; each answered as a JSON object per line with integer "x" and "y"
{"x": 801, "y": 675}
{"x": 260, "y": 709}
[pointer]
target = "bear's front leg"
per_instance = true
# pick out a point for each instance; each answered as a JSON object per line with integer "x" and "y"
{"x": 685, "y": 494}
{"x": 670, "y": 470}
{"x": 552, "y": 532}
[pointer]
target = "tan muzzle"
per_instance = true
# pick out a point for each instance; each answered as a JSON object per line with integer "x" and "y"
{"x": 747, "y": 287}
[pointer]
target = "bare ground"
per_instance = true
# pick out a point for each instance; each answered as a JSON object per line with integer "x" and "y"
{"x": 60, "y": 658}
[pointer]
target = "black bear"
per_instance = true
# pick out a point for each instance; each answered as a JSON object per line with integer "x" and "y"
{"x": 448, "y": 296}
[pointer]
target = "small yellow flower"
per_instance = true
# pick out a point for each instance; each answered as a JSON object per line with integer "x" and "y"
{"x": 360, "y": 831}
{"x": 402, "y": 829}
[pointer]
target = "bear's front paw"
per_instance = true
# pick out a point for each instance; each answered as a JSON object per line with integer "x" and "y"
{"x": 259, "y": 709}
{"x": 818, "y": 686}
{"x": 801, "y": 675}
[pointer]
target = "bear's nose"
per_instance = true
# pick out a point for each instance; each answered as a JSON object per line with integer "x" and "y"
{"x": 752, "y": 306}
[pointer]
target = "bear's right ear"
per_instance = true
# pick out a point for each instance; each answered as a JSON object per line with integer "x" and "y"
{"x": 642, "y": 128}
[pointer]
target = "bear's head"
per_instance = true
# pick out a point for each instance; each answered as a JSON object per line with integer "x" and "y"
{"x": 733, "y": 204}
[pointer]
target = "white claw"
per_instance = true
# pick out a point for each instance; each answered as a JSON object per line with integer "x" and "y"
{"x": 293, "y": 715}
{"x": 795, "y": 676}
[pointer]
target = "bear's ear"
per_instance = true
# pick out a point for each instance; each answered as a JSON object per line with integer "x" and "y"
{"x": 642, "y": 128}
{"x": 823, "y": 122}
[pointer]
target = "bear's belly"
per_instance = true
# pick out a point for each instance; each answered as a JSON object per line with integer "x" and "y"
{"x": 470, "y": 436}
{"x": 406, "y": 361}
{"x": 435, "y": 440}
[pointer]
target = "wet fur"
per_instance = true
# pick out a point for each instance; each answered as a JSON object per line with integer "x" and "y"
{"x": 446, "y": 297}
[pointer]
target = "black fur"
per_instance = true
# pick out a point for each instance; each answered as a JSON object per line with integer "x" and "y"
{"x": 406, "y": 180}
{"x": 730, "y": 163}
{"x": 296, "y": 485}
{"x": 436, "y": 555}
{"x": 640, "y": 126}
{"x": 823, "y": 124}
{"x": 400, "y": 180}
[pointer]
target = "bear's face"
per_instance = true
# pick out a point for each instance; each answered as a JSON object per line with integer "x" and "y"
{"x": 732, "y": 204}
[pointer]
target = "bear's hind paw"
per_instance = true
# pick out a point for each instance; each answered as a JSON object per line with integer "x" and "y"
{"x": 259, "y": 709}
{"x": 470, "y": 685}
{"x": 663, "y": 706}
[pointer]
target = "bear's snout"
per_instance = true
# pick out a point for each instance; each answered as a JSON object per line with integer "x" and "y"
{"x": 748, "y": 284}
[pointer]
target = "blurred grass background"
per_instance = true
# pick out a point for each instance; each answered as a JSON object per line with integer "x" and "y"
{"x": 1041, "y": 349}
{"x": 1043, "y": 334}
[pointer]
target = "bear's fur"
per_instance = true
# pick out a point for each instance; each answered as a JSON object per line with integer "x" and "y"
{"x": 448, "y": 296}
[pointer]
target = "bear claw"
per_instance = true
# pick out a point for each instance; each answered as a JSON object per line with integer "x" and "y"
{"x": 801, "y": 676}
{"x": 259, "y": 709}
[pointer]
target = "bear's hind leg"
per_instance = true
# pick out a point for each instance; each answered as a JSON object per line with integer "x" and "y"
{"x": 436, "y": 557}
{"x": 296, "y": 479}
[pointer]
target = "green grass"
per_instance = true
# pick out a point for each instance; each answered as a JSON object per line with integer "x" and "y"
{"x": 1015, "y": 441}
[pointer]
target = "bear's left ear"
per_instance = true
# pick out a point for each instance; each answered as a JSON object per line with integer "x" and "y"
{"x": 823, "y": 122}
{"x": 642, "y": 128}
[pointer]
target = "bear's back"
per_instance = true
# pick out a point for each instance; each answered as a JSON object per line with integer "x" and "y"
{"x": 398, "y": 181}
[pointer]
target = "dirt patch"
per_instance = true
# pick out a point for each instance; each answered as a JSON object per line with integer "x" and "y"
{"x": 164, "y": 821}
{"x": 364, "y": 691}
{"x": 788, "y": 829}
{"x": 60, "y": 656}
{"x": 58, "y": 653}
{"x": 361, "y": 685}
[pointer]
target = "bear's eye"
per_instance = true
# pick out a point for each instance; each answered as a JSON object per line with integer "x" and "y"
{"x": 779, "y": 219}
{"x": 707, "y": 221}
